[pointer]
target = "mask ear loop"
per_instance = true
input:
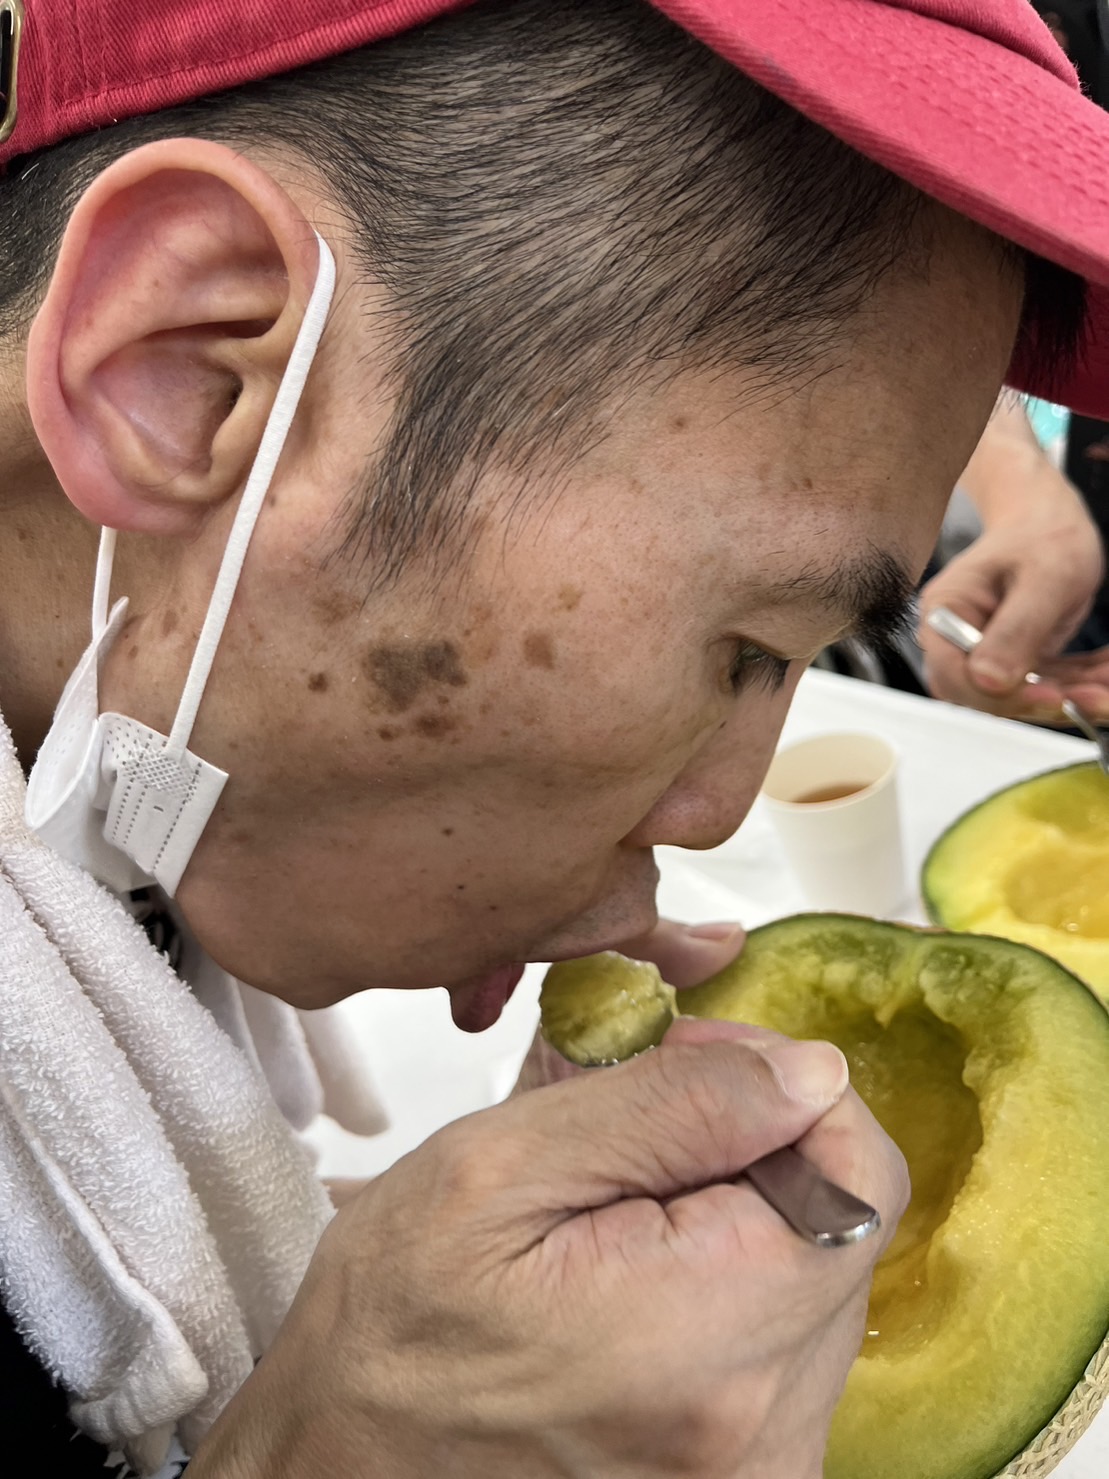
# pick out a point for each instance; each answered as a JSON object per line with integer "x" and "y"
{"x": 102, "y": 585}
{"x": 258, "y": 483}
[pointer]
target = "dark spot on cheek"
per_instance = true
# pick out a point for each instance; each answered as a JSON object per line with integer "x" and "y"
{"x": 539, "y": 650}
{"x": 241, "y": 837}
{"x": 493, "y": 908}
{"x": 569, "y": 597}
{"x": 461, "y": 888}
{"x": 334, "y": 605}
{"x": 398, "y": 673}
{"x": 169, "y": 623}
{"x": 387, "y": 734}
{"x": 132, "y": 652}
{"x": 806, "y": 483}
{"x": 448, "y": 831}
{"x": 317, "y": 682}
{"x": 402, "y": 671}
{"x": 441, "y": 664}
{"x": 435, "y": 726}
{"x": 59, "y": 662}
{"x": 679, "y": 423}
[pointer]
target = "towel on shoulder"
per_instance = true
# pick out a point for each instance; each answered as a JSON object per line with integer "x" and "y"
{"x": 157, "y": 1210}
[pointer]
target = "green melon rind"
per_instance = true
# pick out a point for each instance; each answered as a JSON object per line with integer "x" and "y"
{"x": 1050, "y": 1447}
{"x": 934, "y": 904}
{"x": 946, "y": 889}
{"x": 1066, "y": 1082}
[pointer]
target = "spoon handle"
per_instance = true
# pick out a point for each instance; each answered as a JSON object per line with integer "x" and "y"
{"x": 818, "y": 1209}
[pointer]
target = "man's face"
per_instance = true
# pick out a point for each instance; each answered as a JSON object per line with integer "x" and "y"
{"x": 456, "y": 777}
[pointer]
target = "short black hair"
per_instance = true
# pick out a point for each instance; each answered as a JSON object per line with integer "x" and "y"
{"x": 562, "y": 202}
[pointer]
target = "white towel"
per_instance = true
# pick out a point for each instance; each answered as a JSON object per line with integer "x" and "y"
{"x": 157, "y": 1212}
{"x": 308, "y": 1058}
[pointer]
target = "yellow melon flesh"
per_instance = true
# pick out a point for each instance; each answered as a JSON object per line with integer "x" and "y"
{"x": 1032, "y": 864}
{"x": 989, "y": 1065}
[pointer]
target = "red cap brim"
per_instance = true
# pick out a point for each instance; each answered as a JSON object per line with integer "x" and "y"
{"x": 970, "y": 100}
{"x": 1004, "y": 138}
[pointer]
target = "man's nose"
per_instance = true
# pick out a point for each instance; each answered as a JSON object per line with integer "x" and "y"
{"x": 695, "y": 815}
{"x": 706, "y": 803}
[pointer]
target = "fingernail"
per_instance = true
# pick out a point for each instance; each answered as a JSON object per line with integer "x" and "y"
{"x": 809, "y": 1072}
{"x": 724, "y": 930}
{"x": 993, "y": 675}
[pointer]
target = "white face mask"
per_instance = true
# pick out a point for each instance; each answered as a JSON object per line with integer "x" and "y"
{"x": 111, "y": 794}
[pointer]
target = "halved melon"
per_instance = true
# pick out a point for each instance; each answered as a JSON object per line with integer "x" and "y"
{"x": 1031, "y": 863}
{"x": 989, "y": 1065}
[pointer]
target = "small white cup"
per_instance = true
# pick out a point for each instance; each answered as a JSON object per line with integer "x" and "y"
{"x": 833, "y": 802}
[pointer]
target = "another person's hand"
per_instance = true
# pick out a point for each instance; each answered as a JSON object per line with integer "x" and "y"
{"x": 573, "y": 1283}
{"x": 1027, "y": 583}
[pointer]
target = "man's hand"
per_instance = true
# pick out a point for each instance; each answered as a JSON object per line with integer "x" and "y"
{"x": 575, "y": 1284}
{"x": 1027, "y": 583}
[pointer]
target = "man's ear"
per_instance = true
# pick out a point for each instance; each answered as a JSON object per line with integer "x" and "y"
{"x": 153, "y": 362}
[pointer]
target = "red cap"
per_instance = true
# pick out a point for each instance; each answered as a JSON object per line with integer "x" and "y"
{"x": 970, "y": 100}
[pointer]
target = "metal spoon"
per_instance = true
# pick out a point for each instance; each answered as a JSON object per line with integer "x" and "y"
{"x": 816, "y": 1208}
{"x": 961, "y": 634}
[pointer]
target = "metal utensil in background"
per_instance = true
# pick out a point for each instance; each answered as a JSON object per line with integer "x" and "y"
{"x": 966, "y": 637}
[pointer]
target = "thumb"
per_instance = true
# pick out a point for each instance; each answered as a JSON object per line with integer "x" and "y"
{"x": 1021, "y": 631}
{"x": 687, "y": 954}
{"x": 700, "y": 1108}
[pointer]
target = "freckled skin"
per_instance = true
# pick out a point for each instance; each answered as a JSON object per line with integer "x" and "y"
{"x": 644, "y": 563}
{"x": 434, "y": 726}
{"x": 539, "y": 650}
{"x": 442, "y": 665}
{"x": 332, "y": 604}
{"x": 402, "y": 671}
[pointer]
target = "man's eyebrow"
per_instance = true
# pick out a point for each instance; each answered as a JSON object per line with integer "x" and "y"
{"x": 872, "y": 592}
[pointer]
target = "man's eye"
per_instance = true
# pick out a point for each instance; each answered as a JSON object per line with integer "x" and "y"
{"x": 752, "y": 666}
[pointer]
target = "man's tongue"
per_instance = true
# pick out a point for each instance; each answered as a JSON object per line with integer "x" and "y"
{"x": 477, "y": 1005}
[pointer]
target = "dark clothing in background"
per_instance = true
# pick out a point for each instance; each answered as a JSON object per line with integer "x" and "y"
{"x": 39, "y": 1440}
{"x": 1082, "y": 29}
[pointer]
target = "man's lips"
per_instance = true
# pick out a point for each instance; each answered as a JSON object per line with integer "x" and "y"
{"x": 479, "y": 1002}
